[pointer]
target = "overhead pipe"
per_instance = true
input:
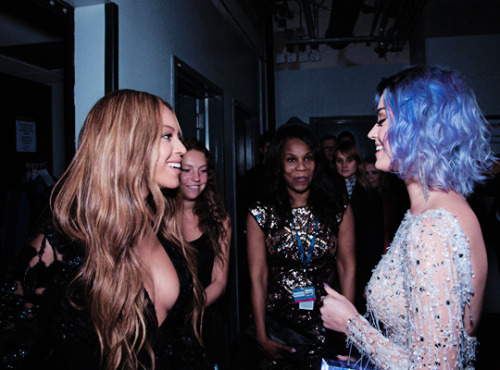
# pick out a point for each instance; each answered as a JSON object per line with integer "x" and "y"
{"x": 343, "y": 18}
{"x": 328, "y": 40}
{"x": 340, "y": 29}
{"x": 306, "y": 8}
{"x": 376, "y": 15}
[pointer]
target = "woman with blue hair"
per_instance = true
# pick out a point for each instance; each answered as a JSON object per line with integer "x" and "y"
{"x": 425, "y": 297}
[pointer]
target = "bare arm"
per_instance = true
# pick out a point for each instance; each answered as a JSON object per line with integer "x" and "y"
{"x": 346, "y": 255}
{"x": 220, "y": 269}
{"x": 258, "y": 276}
{"x": 439, "y": 278}
{"x": 257, "y": 264}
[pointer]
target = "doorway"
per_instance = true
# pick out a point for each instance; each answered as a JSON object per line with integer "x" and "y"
{"x": 247, "y": 132}
{"x": 199, "y": 108}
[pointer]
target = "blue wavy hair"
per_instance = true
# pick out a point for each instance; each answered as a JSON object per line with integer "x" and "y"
{"x": 436, "y": 132}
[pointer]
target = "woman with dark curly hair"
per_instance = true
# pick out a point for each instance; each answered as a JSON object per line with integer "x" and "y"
{"x": 298, "y": 239}
{"x": 207, "y": 227}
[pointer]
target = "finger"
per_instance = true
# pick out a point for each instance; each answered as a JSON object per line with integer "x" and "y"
{"x": 286, "y": 348}
{"x": 343, "y": 358}
{"x": 332, "y": 292}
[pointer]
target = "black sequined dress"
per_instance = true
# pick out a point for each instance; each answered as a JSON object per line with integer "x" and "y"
{"x": 287, "y": 271}
{"x": 40, "y": 329}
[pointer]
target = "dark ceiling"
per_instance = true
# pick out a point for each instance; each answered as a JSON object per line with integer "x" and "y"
{"x": 35, "y": 33}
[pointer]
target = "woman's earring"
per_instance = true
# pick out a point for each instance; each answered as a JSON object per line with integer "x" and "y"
{"x": 423, "y": 184}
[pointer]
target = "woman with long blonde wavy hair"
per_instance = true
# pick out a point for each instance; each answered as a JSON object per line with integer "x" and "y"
{"x": 109, "y": 282}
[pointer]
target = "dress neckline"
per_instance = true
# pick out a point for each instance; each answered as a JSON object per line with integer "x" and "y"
{"x": 430, "y": 210}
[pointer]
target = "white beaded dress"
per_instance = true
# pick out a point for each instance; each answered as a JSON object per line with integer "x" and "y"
{"x": 417, "y": 296}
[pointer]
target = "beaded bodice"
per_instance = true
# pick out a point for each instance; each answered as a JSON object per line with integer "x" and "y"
{"x": 287, "y": 270}
{"x": 417, "y": 296}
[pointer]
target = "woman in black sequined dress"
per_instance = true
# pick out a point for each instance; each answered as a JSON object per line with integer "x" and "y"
{"x": 299, "y": 239}
{"x": 109, "y": 282}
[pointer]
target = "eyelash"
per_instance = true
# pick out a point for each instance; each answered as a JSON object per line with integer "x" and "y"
{"x": 188, "y": 170}
{"x": 167, "y": 136}
{"x": 293, "y": 159}
{"x": 381, "y": 121}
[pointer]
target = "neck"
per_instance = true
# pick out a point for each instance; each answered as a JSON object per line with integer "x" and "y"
{"x": 188, "y": 205}
{"x": 298, "y": 199}
{"x": 436, "y": 198}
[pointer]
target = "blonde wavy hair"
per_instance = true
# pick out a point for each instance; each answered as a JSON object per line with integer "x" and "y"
{"x": 99, "y": 203}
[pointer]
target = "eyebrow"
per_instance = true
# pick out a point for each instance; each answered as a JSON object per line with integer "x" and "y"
{"x": 380, "y": 109}
{"x": 168, "y": 127}
{"x": 297, "y": 155}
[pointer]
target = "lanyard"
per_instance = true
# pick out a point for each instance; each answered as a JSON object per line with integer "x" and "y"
{"x": 301, "y": 247}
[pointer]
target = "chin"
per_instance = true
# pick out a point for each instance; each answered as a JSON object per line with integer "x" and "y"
{"x": 171, "y": 185}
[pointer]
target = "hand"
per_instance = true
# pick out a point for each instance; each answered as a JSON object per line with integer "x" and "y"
{"x": 274, "y": 349}
{"x": 336, "y": 311}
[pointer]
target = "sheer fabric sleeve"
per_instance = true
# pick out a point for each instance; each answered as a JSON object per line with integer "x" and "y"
{"x": 29, "y": 296}
{"x": 437, "y": 279}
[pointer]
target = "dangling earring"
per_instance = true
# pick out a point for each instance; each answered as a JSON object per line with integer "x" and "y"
{"x": 423, "y": 184}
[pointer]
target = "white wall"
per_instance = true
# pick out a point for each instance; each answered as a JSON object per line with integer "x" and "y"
{"x": 343, "y": 91}
{"x": 350, "y": 90}
{"x": 89, "y": 61}
{"x": 477, "y": 58}
{"x": 150, "y": 34}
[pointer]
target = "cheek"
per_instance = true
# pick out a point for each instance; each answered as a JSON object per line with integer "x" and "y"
{"x": 183, "y": 178}
{"x": 287, "y": 168}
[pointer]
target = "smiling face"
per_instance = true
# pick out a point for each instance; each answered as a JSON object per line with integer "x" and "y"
{"x": 168, "y": 167}
{"x": 346, "y": 165}
{"x": 298, "y": 165}
{"x": 377, "y": 133}
{"x": 194, "y": 174}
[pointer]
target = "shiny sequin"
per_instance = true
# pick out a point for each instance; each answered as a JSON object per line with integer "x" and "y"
{"x": 286, "y": 271}
{"x": 429, "y": 264}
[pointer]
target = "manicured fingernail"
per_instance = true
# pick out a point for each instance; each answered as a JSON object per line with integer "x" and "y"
{"x": 326, "y": 285}
{"x": 294, "y": 350}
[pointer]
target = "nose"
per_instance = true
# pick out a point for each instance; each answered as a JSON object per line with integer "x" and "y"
{"x": 372, "y": 134}
{"x": 195, "y": 176}
{"x": 179, "y": 147}
{"x": 301, "y": 166}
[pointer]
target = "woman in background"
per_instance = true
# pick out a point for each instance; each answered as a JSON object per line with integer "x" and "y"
{"x": 374, "y": 177}
{"x": 428, "y": 289}
{"x": 368, "y": 216}
{"x": 301, "y": 237}
{"x": 109, "y": 282}
{"x": 393, "y": 196}
{"x": 207, "y": 227}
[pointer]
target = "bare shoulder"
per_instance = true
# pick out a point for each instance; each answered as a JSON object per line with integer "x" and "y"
{"x": 458, "y": 206}
{"x": 469, "y": 223}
